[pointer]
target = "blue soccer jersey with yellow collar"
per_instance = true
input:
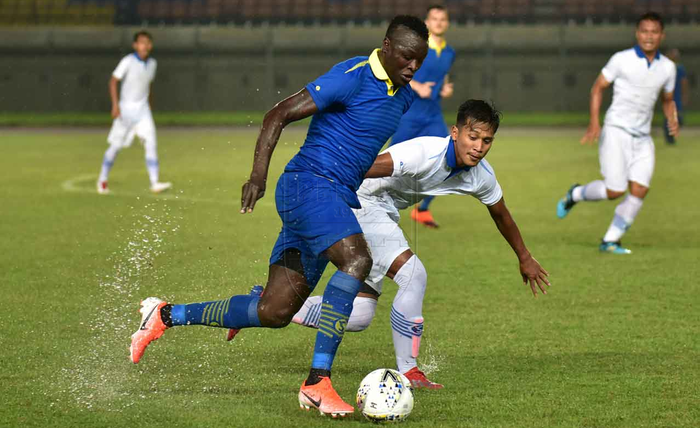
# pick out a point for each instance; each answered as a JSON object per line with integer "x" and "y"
{"x": 359, "y": 108}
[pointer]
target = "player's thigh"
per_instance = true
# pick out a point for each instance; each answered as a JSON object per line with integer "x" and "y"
{"x": 146, "y": 131}
{"x": 385, "y": 239}
{"x": 643, "y": 161}
{"x": 121, "y": 133}
{"x": 614, "y": 154}
{"x": 313, "y": 209}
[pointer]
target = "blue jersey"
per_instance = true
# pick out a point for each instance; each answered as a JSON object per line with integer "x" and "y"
{"x": 678, "y": 90}
{"x": 359, "y": 108}
{"x": 434, "y": 69}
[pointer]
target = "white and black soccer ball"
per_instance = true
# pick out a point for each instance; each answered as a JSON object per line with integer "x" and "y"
{"x": 385, "y": 396}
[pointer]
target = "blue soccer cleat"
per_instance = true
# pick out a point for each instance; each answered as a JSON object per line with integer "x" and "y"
{"x": 566, "y": 203}
{"x": 257, "y": 290}
{"x": 613, "y": 248}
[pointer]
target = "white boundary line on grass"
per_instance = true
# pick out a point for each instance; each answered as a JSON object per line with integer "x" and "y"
{"x": 73, "y": 185}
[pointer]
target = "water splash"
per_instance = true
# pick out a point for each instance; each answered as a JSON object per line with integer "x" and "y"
{"x": 100, "y": 371}
{"x": 431, "y": 360}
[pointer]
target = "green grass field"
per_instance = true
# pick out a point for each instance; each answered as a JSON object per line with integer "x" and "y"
{"x": 616, "y": 342}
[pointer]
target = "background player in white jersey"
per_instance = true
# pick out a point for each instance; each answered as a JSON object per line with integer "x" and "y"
{"x": 626, "y": 150}
{"x": 400, "y": 177}
{"x": 132, "y": 111}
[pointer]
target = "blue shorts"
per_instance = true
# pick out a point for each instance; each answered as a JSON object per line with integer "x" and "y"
{"x": 409, "y": 129}
{"x": 314, "y": 217}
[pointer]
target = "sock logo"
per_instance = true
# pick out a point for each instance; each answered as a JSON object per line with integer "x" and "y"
{"x": 332, "y": 323}
{"x": 340, "y": 326}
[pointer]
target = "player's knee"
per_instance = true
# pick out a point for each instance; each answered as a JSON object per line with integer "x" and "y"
{"x": 363, "y": 311}
{"x": 359, "y": 266}
{"x": 613, "y": 194}
{"x": 273, "y": 315}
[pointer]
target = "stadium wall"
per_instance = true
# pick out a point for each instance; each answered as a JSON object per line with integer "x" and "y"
{"x": 520, "y": 67}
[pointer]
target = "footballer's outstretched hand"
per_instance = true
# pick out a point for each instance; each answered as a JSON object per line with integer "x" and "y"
{"x": 250, "y": 194}
{"x": 534, "y": 275}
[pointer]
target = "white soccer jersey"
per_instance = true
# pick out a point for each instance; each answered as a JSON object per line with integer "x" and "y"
{"x": 136, "y": 76}
{"x": 636, "y": 86}
{"x": 422, "y": 168}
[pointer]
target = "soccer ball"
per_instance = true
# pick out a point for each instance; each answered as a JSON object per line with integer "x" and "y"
{"x": 385, "y": 396}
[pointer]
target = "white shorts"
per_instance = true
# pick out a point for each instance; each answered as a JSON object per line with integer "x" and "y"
{"x": 385, "y": 238}
{"x": 132, "y": 123}
{"x": 624, "y": 158}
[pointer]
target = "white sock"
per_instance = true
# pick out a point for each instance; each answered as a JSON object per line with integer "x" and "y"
{"x": 625, "y": 212}
{"x": 108, "y": 162}
{"x": 152, "y": 161}
{"x": 363, "y": 310}
{"x": 406, "y": 313}
{"x": 593, "y": 191}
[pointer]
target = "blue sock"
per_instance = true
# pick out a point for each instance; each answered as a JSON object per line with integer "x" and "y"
{"x": 426, "y": 203}
{"x": 236, "y": 312}
{"x": 335, "y": 311}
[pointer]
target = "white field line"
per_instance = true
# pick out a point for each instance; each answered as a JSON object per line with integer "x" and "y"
{"x": 76, "y": 185}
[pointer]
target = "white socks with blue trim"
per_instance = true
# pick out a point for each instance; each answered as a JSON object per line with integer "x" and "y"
{"x": 593, "y": 191}
{"x": 625, "y": 212}
{"x": 406, "y": 313}
{"x": 108, "y": 162}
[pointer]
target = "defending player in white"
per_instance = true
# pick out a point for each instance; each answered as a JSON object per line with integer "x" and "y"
{"x": 131, "y": 111}
{"x": 400, "y": 177}
{"x": 626, "y": 150}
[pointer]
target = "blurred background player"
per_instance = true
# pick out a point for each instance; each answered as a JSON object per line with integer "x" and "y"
{"x": 131, "y": 111}
{"x": 626, "y": 150}
{"x": 681, "y": 92}
{"x": 356, "y": 107}
{"x": 401, "y": 176}
{"x": 431, "y": 84}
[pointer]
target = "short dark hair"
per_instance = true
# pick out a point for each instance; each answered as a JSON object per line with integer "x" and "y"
{"x": 651, "y": 16}
{"x": 435, "y": 6}
{"x": 143, "y": 33}
{"x": 479, "y": 111}
{"x": 416, "y": 25}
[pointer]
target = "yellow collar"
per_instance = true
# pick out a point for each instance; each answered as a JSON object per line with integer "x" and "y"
{"x": 380, "y": 73}
{"x": 432, "y": 44}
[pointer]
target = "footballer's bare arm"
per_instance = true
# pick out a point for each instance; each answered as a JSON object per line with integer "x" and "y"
{"x": 114, "y": 96}
{"x": 671, "y": 113}
{"x": 532, "y": 273}
{"x": 383, "y": 166}
{"x": 296, "y": 107}
{"x": 593, "y": 130}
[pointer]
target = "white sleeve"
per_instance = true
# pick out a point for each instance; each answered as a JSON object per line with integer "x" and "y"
{"x": 409, "y": 159}
{"x": 612, "y": 68}
{"x": 489, "y": 191}
{"x": 120, "y": 71}
{"x": 670, "y": 84}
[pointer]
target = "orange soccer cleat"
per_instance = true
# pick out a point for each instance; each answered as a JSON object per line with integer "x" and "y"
{"x": 323, "y": 397}
{"x": 152, "y": 327}
{"x": 419, "y": 380}
{"x": 424, "y": 217}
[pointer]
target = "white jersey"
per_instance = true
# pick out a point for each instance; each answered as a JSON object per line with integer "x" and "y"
{"x": 636, "y": 86}
{"x": 426, "y": 166}
{"x": 136, "y": 76}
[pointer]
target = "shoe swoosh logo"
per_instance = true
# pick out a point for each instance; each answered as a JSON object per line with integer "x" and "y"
{"x": 148, "y": 317}
{"x": 314, "y": 402}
